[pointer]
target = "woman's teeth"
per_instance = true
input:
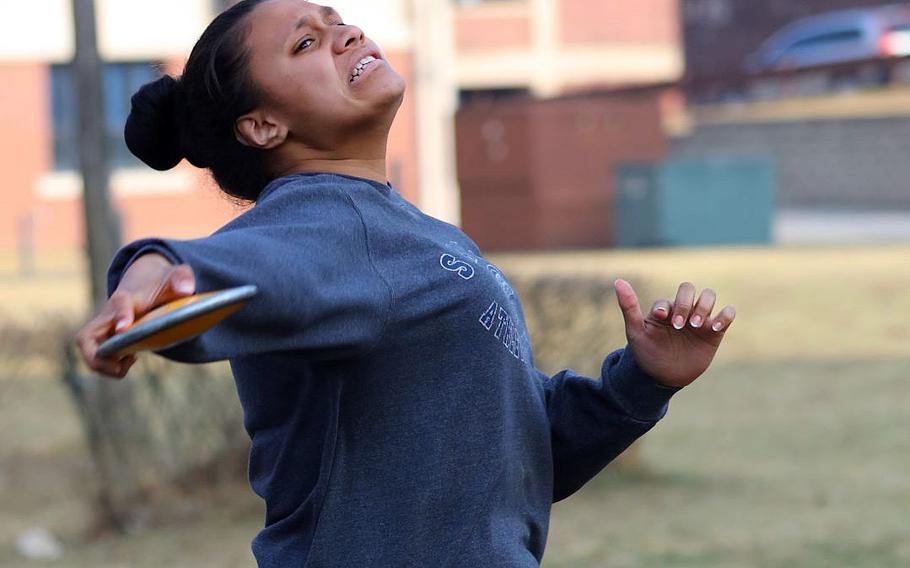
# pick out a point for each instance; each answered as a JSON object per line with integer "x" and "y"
{"x": 358, "y": 69}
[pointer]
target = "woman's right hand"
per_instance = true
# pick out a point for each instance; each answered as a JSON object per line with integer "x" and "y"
{"x": 150, "y": 281}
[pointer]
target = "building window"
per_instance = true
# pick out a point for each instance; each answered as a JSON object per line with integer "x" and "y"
{"x": 476, "y": 2}
{"x": 713, "y": 13}
{"x": 121, "y": 81}
{"x": 474, "y": 96}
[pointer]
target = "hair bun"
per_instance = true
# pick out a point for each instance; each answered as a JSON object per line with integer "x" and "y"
{"x": 152, "y": 131}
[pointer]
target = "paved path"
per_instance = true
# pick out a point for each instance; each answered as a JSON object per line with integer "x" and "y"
{"x": 819, "y": 226}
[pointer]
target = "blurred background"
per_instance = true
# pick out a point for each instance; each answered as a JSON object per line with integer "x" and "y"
{"x": 753, "y": 146}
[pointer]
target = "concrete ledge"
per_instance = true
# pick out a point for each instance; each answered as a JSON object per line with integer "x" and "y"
{"x": 66, "y": 185}
{"x": 805, "y": 226}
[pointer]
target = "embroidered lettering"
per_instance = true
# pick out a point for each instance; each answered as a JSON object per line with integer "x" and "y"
{"x": 489, "y": 316}
{"x": 459, "y": 267}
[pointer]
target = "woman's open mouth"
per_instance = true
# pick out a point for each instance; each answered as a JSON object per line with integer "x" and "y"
{"x": 363, "y": 66}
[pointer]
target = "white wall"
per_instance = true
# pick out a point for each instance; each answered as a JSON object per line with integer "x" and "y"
{"x": 144, "y": 29}
{"x": 35, "y": 30}
{"x": 42, "y": 30}
{"x": 388, "y": 22}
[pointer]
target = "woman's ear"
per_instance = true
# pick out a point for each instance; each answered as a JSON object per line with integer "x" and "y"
{"x": 259, "y": 130}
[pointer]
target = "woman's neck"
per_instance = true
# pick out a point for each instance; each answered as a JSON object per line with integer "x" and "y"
{"x": 371, "y": 169}
{"x": 364, "y": 157}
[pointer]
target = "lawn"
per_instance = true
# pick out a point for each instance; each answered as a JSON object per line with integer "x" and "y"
{"x": 791, "y": 452}
{"x": 784, "y": 464}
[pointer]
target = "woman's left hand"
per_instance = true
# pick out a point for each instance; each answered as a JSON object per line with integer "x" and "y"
{"x": 677, "y": 340}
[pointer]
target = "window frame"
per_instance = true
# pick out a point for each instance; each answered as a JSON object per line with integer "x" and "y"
{"x": 121, "y": 79}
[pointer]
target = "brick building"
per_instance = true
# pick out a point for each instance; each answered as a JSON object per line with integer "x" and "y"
{"x": 552, "y": 46}
{"x": 539, "y": 174}
{"x": 441, "y": 47}
{"x": 39, "y": 121}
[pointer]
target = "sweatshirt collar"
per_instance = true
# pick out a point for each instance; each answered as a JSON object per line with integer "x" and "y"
{"x": 272, "y": 186}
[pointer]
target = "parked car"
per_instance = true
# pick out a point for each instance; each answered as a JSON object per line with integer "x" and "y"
{"x": 836, "y": 37}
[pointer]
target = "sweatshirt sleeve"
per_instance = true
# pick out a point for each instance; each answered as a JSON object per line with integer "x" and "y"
{"x": 319, "y": 292}
{"x": 593, "y": 421}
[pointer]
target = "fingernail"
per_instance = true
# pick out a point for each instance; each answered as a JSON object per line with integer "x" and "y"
{"x": 184, "y": 287}
{"x": 679, "y": 322}
{"x": 717, "y": 326}
{"x": 696, "y": 321}
{"x": 121, "y": 325}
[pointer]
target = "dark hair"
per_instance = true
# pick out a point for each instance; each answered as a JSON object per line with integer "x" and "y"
{"x": 193, "y": 116}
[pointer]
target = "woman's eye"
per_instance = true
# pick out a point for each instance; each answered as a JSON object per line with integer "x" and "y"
{"x": 303, "y": 45}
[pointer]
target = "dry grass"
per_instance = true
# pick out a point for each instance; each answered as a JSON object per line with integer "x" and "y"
{"x": 795, "y": 302}
{"x": 760, "y": 465}
{"x": 56, "y": 287}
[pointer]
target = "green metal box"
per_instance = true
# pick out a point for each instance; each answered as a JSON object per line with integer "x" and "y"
{"x": 691, "y": 202}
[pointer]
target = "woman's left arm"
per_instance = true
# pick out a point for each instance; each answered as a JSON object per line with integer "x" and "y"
{"x": 592, "y": 422}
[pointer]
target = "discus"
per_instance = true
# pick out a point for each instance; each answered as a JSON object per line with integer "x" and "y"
{"x": 176, "y": 322}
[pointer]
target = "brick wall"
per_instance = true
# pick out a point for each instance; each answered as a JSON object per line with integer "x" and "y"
{"x": 539, "y": 174}
{"x": 477, "y": 33}
{"x": 195, "y": 208}
{"x": 838, "y": 163}
{"x": 619, "y": 21}
{"x": 25, "y": 144}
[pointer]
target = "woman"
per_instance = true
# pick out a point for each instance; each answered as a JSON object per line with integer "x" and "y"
{"x": 384, "y": 370}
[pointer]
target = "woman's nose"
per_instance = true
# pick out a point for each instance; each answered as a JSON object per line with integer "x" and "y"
{"x": 350, "y": 36}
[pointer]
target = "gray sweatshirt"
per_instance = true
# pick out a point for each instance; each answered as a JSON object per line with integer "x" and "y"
{"x": 388, "y": 384}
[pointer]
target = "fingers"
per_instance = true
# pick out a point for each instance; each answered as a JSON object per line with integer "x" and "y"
{"x": 152, "y": 280}
{"x": 116, "y": 315}
{"x": 125, "y": 364}
{"x": 682, "y": 307}
{"x": 126, "y": 304}
{"x": 661, "y": 310}
{"x": 723, "y": 320}
{"x": 120, "y": 309}
{"x": 703, "y": 308}
{"x": 114, "y": 369}
{"x": 179, "y": 282}
{"x": 628, "y": 303}
{"x": 88, "y": 339}
{"x": 175, "y": 282}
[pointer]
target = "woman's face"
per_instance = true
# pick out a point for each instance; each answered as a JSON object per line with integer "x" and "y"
{"x": 315, "y": 73}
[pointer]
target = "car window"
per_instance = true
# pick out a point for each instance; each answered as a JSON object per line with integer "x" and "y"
{"x": 828, "y": 38}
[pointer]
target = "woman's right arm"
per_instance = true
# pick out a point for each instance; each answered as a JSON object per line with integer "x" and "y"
{"x": 150, "y": 281}
{"x": 320, "y": 294}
